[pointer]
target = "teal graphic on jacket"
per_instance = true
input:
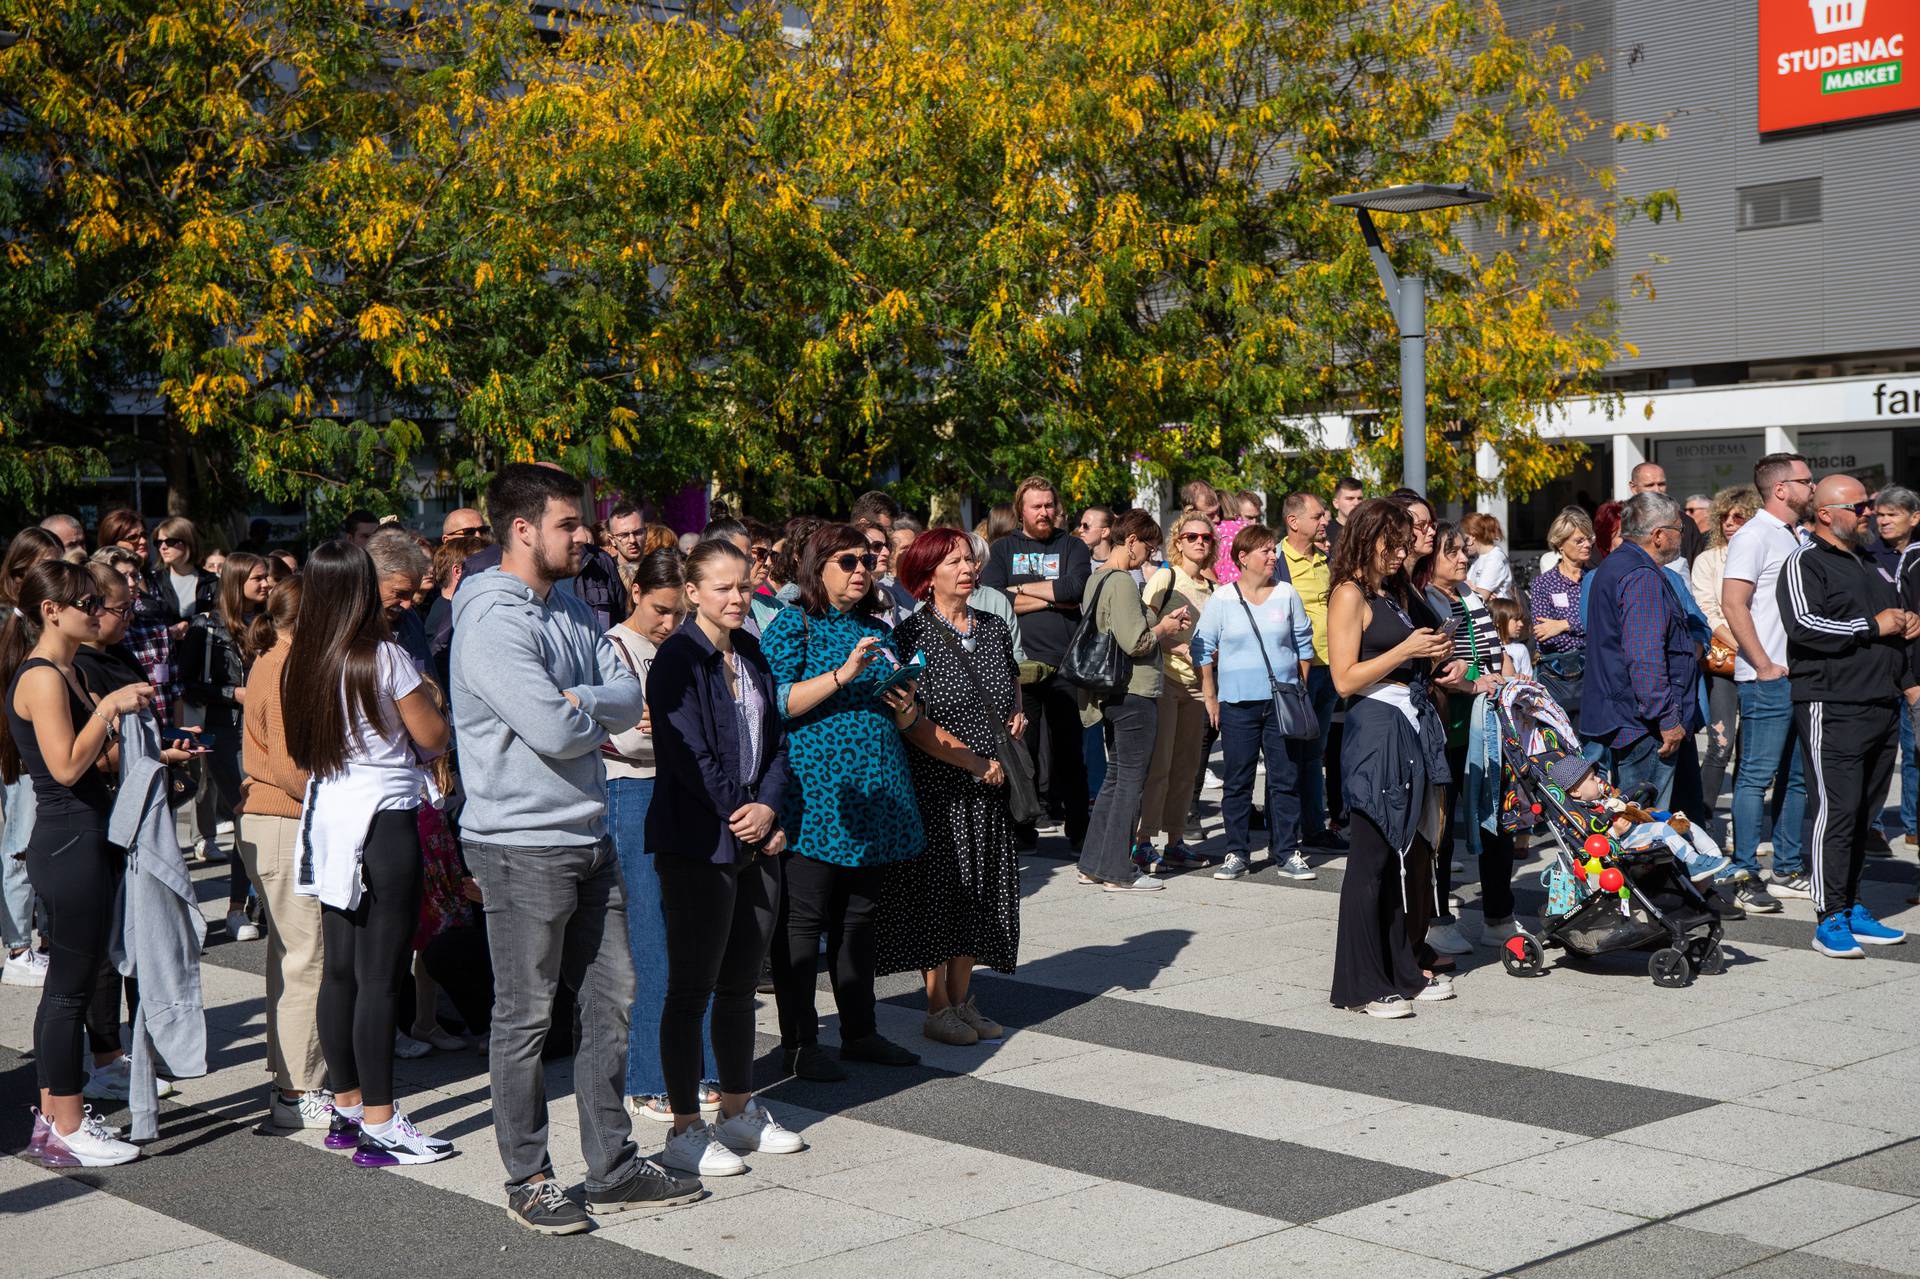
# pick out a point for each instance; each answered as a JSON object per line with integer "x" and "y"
{"x": 854, "y": 803}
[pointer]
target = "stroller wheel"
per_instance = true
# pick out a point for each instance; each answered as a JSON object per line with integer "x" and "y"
{"x": 1521, "y": 955}
{"x": 1705, "y": 955}
{"x": 1668, "y": 967}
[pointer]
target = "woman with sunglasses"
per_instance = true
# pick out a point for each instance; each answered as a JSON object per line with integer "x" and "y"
{"x": 1180, "y": 740}
{"x": 178, "y": 579}
{"x": 850, "y": 811}
{"x": 64, "y": 739}
{"x": 213, "y": 663}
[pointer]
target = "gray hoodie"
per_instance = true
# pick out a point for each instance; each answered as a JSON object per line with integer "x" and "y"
{"x": 530, "y": 765}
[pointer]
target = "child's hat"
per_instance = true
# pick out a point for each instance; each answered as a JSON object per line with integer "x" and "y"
{"x": 1568, "y": 771}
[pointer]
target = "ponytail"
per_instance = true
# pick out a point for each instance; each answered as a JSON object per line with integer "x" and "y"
{"x": 50, "y": 581}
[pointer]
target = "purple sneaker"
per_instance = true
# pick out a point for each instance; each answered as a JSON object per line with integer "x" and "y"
{"x": 343, "y": 1133}
{"x": 42, "y": 1130}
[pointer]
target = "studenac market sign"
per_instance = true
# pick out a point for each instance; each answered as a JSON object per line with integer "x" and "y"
{"x": 1823, "y": 61}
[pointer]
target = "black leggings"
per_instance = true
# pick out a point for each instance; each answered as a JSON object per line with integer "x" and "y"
{"x": 367, "y": 950}
{"x": 719, "y": 919}
{"x": 838, "y": 901}
{"x": 76, "y": 873}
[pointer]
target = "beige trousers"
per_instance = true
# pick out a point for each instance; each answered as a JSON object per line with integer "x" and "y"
{"x": 267, "y": 847}
{"x": 1176, "y": 761}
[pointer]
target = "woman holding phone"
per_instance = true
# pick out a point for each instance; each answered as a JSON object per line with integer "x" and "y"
{"x": 851, "y": 811}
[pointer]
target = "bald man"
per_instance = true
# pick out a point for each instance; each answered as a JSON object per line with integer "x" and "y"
{"x": 1651, "y": 477}
{"x": 464, "y": 522}
{"x": 67, "y": 529}
{"x": 1648, "y": 477}
{"x": 1850, "y": 660}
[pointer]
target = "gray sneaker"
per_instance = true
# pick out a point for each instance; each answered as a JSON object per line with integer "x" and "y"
{"x": 1791, "y": 886}
{"x": 1754, "y": 898}
{"x": 1295, "y": 867}
{"x": 1234, "y": 867}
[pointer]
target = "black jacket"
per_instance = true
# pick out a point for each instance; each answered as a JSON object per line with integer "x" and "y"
{"x": 211, "y": 668}
{"x": 1835, "y": 653}
{"x": 206, "y": 593}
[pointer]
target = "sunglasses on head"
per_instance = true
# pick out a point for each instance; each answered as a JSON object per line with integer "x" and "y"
{"x": 850, "y": 561}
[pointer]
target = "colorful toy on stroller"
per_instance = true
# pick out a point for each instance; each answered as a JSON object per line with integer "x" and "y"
{"x": 1601, "y": 897}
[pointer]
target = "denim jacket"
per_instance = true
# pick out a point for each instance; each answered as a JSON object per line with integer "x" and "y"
{"x": 696, "y": 745}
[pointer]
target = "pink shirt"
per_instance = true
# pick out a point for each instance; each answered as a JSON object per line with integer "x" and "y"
{"x": 1225, "y": 569}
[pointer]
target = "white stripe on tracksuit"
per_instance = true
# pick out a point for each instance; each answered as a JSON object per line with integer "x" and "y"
{"x": 1797, "y": 590}
{"x": 1816, "y": 842}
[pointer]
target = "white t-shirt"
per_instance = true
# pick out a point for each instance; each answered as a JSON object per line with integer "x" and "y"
{"x": 380, "y": 757}
{"x": 1519, "y": 660}
{"x": 1491, "y": 574}
{"x": 1755, "y": 554}
{"x": 185, "y": 589}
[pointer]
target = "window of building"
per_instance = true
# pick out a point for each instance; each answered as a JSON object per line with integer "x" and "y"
{"x": 1779, "y": 204}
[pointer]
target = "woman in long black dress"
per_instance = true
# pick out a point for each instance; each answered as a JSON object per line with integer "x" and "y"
{"x": 958, "y": 903}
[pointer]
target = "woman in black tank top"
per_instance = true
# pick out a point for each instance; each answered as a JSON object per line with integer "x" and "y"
{"x": 65, "y": 741}
{"x": 1380, "y": 633}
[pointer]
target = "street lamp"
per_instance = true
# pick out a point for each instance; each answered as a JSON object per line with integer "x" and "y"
{"x": 1407, "y": 298}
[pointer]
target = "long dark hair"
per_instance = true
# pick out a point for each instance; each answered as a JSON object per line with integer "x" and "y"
{"x": 279, "y": 616}
{"x": 826, "y": 543}
{"x": 1374, "y": 522}
{"x": 50, "y": 581}
{"x": 29, "y": 546}
{"x": 1443, "y": 533}
{"x": 333, "y": 668}
{"x": 232, "y": 601}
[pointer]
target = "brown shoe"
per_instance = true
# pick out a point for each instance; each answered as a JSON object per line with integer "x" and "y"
{"x": 945, "y": 1027}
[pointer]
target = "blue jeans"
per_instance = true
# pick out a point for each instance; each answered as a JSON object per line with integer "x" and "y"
{"x": 1769, "y": 756}
{"x": 1909, "y": 780}
{"x": 1313, "y": 781}
{"x": 1639, "y": 764}
{"x": 1249, "y": 730}
{"x": 627, "y": 800}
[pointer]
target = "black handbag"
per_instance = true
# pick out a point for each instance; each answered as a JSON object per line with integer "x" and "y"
{"x": 1093, "y": 660}
{"x": 1562, "y": 675}
{"x": 1023, "y": 794}
{"x": 1292, "y": 708}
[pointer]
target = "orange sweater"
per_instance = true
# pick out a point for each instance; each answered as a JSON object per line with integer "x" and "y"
{"x": 274, "y": 786}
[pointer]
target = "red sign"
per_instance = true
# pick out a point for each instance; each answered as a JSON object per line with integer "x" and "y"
{"x": 1828, "y": 60}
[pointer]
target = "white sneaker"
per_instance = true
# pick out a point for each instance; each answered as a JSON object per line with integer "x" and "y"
{"x": 1234, "y": 867}
{"x": 1390, "y": 1007}
{"x": 210, "y": 853}
{"x": 28, "y": 968}
{"x": 1444, "y": 936}
{"x": 755, "y": 1129}
{"x": 1500, "y": 930}
{"x": 402, "y": 1143}
{"x": 110, "y": 1082}
{"x": 91, "y": 1145}
{"x": 1438, "y": 987}
{"x": 312, "y": 1109}
{"x": 240, "y": 928}
{"x": 1213, "y": 782}
{"x": 164, "y": 1087}
{"x": 1144, "y": 884}
{"x": 698, "y": 1150}
{"x": 407, "y": 1047}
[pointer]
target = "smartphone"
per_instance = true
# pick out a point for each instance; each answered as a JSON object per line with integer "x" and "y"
{"x": 1449, "y": 626}
{"x": 900, "y": 674}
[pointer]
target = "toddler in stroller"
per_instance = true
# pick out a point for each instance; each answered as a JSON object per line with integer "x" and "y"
{"x": 1634, "y": 827}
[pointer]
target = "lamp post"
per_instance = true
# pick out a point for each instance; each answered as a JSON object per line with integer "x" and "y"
{"x": 1407, "y": 299}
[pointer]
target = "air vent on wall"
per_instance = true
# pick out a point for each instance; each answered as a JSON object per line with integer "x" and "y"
{"x": 1779, "y": 204}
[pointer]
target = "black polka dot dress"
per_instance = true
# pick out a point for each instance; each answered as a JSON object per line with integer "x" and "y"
{"x": 962, "y": 895}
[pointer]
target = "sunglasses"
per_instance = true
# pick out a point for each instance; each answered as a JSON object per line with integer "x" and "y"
{"x": 1858, "y": 508}
{"x": 91, "y": 605}
{"x": 478, "y": 529}
{"x": 879, "y": 548}
{"x": 1196, "y": 537}
{"x": 761, "y": 554}
{"x": 173, "y": 541}
{"x": 850, "y": 561}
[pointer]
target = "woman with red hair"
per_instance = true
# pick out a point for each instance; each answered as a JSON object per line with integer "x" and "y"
{"x": 958, "y": 903}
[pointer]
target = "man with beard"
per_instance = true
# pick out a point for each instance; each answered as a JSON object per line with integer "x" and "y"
{"x": 1848, "y": 658}
{"x": 1769, "y": 753}
{"x": 1044, "y": 568}
{"x": 537, "y": 687}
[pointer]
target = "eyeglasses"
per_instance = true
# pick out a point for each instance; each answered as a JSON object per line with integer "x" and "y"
{"x": 1858, "y": 508}
{"x": 478, "y": 529}
{"x": 633, "y": 536}
{"x": 850, "y": 561}
{"x": 118, "y": 610}
{"x": 1797, "y": 479}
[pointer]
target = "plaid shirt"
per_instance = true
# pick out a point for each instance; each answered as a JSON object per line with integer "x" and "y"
{"x": 152, "y": 646}
{"x": 1646, "y": 611}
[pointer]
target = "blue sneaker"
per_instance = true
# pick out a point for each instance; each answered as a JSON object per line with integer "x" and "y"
{"x": 1866, "y": 928}
{"x": 1835, "y": 940}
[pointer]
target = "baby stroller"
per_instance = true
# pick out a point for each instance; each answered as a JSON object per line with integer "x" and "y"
{"x": 1602, "y": 898}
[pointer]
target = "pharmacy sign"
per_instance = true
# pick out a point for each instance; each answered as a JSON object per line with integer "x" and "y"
{"x": 1823, "y": 61}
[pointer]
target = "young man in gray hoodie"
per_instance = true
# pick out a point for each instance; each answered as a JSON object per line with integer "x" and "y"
{"x": 536, "y": 689}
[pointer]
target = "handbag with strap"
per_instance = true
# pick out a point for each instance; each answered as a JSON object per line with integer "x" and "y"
{"x": 1292, "y": 708}
{"x": 1719, "y": 658}
{"x": 1093, "y": 660}
{"x": 1023, "y": 795}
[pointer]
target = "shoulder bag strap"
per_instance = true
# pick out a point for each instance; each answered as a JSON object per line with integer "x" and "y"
{"x": 1166, "y": 592}
{"x": 1273, "y": 681}
{"x": 939, "y": 627}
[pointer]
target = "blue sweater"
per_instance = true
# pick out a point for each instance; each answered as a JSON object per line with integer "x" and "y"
{"x": 1224, "y": 639}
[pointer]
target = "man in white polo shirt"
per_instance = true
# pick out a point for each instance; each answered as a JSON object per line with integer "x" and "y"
{"x": 1769, "y": 749}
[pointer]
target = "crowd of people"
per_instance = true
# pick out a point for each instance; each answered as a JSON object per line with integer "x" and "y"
{"x": 588, "y": 789}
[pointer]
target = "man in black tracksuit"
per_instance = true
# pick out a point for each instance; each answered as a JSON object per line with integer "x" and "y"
{"x": 1848, "y": 642}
